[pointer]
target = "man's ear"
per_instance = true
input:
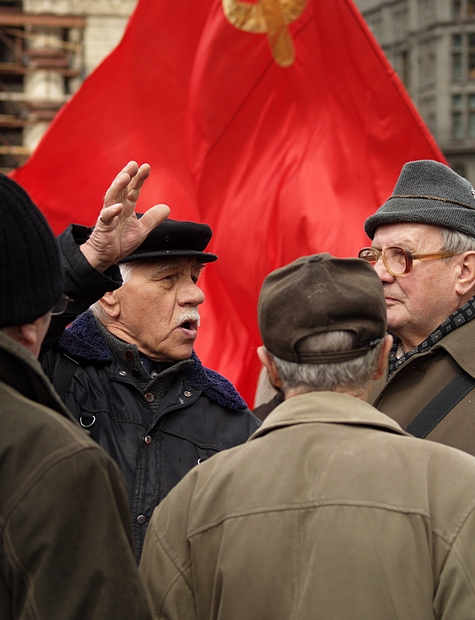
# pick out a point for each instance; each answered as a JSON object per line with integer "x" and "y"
{"x": 383, "y": 359}
{"x": 29, "y": 335}
{"x": 268, "y": 362}
{"x": 110, "y": 303}
{"x": 465, "y": 273}
{"x": 24, "y": 334}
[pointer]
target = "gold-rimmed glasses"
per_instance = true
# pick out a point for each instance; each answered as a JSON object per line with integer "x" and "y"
{"x": 398, "y": 261}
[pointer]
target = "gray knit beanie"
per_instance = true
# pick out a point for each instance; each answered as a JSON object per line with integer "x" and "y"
{"x": 31, "y": 276}
{"x": 428, "y": 192}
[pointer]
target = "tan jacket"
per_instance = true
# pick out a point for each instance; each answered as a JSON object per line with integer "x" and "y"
{"x": 329, "y": 512}
{"x": 417, "y": 381}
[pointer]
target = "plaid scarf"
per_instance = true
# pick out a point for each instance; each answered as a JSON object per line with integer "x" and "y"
{"x": 461, "y": 316}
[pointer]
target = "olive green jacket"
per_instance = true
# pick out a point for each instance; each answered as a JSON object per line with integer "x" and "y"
{"x": 329, "y": 511}
{"x": 419, "y": 379}
{"x": 65, "y": 539}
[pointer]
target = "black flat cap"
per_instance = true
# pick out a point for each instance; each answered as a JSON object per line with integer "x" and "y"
{"x": 173, "y": 238}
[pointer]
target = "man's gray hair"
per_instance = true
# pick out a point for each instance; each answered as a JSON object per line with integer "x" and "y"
{"x": 455, "y": 241}
{"x": 126, "y": 271}
{"x": 352, "y": 375}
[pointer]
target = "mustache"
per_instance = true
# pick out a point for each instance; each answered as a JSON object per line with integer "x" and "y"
{"x": 189, "y": 315}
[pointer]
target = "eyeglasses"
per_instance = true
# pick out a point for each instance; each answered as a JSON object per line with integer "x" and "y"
{"x": 398, "y": 261}
{"x": 60, "y": 306}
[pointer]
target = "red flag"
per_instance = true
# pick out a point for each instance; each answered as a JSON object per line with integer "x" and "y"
{"x": 281, "y": 161}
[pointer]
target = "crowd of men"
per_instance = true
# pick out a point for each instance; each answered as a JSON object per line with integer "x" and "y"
{"x": 136, "y": 483}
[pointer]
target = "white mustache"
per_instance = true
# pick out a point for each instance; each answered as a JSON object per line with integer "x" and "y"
{"x": 189, "y": 315}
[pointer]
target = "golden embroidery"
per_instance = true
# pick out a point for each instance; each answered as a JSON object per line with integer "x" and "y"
{"x": 271, "y": 17}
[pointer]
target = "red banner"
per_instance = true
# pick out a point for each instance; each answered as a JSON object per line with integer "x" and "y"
{"x": 281, "y": 161}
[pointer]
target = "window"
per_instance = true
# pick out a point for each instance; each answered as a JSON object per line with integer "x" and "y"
{"x": 427, "y": 109}
{"x": 471, "y": 116}
{"x": 405, "y": 69}
{"x": 471, "y": 56}
{"x": 456, "y": 66}
{"x": 457, "y": 57}
{"x": 463, "y": 56}
{"x": 470, "y": 8}
{"x": 400, "y": 62}
{"x": 457, "y": 117}
{"x": 457, "y": 9}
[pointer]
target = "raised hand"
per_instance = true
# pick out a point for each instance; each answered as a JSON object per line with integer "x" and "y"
{"x": 118, "y": 231}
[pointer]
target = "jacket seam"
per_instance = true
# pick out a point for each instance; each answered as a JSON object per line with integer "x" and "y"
{"x": 39, "y": 472}
{"x": 16, "y": 562}
{"x": 469, "y": 576}
{"x": 181, "y": 570}
{"x": 305, "y": 506}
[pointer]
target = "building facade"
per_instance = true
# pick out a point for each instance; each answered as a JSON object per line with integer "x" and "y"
{"x": 431, "y": 45}
{"x": 47, "y": 48}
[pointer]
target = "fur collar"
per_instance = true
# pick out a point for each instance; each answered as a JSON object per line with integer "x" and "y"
{"x": 84, "y": 341}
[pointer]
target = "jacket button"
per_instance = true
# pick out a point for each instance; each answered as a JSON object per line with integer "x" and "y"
{"x": 187, "y": 393}
{"x": 129, "y": 355}
{"x": 141, "y": 519}
{"x": 148, "y": 440}
{"x": 149, "y": 397}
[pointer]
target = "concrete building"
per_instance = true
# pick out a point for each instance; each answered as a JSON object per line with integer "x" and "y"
{"x": 47, "y": 48}
{"x": 431, "y": 45}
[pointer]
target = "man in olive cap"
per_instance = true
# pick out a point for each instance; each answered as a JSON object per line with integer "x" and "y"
{"x": 127, "y": 370}
{"x": 330, "y": 510}
{"x": 66, "y": 540}
{"x": 423, "y": 250}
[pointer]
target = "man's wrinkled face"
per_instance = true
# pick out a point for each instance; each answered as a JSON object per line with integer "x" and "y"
{"x": 158, "y": 308}
{"x": 418, "y": 302}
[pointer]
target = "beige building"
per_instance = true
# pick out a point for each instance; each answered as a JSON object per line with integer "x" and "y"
{"x": 47, "y": 48}
{"x": 431, "y": 45}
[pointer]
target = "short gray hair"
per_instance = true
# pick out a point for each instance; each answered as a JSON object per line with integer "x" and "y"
{"x": 353, "y": 375}
{"x": 126, "y": 271}
{"x": 455, "y": 241}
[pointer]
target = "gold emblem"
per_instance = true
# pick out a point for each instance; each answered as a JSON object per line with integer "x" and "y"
{"x": 271, "y": 17}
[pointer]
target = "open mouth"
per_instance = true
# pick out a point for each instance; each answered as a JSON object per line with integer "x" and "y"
{"x": 190, "y": 328}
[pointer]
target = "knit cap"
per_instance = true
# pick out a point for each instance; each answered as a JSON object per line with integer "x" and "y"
{"x": 31, "y": 276}
{"x": 428, "y": 192}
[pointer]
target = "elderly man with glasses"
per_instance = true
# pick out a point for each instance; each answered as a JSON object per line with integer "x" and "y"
{"x": 423, "y": 250}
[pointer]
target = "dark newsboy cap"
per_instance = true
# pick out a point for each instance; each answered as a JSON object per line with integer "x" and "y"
{"x": 173, "y": 238}
{"x": 317, "y": 294}
{"x": 428, "y": 192}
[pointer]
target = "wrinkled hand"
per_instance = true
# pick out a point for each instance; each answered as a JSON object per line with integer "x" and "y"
{"x": 118, "y": 231}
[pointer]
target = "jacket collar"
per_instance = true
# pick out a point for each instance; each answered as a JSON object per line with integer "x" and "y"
{"x": 21, "y": 370}
{"x": 457, "y": 343}
{"x": 446, "y": 335}
{"x": 327, "y": 408}
{"x": 84, "y": 341}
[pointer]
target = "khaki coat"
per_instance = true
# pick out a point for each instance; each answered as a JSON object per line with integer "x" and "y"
{"x": 329, "y": 511}
{"x": 419, "y": 379}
